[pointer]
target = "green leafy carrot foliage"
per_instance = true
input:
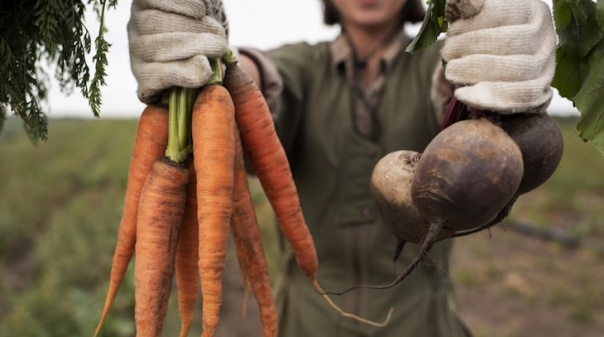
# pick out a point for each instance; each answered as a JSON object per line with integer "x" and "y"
{"x": 54, "y": 31}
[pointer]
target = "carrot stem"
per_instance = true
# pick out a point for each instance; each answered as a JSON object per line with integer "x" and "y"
{"x": 179, "y": 110}
{"x": 187, "y": 98}
{"x": 172, "y": 150}
{"x": 182, "y": 118}
{"x": 228, "y": 57}
{"x": 216, "y": 72}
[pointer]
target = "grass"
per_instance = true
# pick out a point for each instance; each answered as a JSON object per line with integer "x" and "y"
{"x": 62, "y": 201}
{"x": 61, "y": 205}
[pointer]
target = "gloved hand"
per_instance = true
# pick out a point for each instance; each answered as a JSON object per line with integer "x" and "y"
{"x": 501, "y": 53}
{"x": 171, "y": 41}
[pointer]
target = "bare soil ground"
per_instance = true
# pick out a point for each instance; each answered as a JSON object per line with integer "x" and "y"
{"x": 512, "y": 285}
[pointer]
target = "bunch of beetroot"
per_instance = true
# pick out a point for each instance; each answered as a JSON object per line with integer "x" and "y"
{"x": 467, "y": 178}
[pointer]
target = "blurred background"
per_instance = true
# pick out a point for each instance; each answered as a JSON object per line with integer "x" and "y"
{"x": 537, "y": 274}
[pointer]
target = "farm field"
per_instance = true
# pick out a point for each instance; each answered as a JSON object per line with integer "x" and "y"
{"x": 538, "y": 274}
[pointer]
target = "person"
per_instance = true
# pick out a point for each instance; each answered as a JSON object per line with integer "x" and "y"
{"x": 339, "y": 106}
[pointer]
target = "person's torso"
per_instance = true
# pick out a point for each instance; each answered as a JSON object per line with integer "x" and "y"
{"x": 332, "y": 165}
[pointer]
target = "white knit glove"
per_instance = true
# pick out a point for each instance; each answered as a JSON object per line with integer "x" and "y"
{"x": 501, "y": 53}
{"x": 170, "y": 43}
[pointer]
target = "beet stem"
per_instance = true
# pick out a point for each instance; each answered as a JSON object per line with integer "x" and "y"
{"x": 427, "y": 243}
{"x": 400, "y": 244}
{"x": 458, "y": 111}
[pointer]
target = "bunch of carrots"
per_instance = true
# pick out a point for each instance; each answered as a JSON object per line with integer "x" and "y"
{"x": 187, "y": 190}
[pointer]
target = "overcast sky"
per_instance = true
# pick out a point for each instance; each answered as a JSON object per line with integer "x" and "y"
{"x": 257, "y": 23}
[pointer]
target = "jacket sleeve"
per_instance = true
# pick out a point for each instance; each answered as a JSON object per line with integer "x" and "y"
{"x": 284, "y": 76}
{"x": 271, "y": 83}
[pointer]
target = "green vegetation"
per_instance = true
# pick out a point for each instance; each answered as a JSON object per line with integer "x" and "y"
{"x": 60, "y": 208}
{"x": 33, "y": 31}
{"x": 61, "y": 203}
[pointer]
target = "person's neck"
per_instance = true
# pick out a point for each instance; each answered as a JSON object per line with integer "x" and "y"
{"x": 366, "y": 40}
{"x": 368, "y": 46}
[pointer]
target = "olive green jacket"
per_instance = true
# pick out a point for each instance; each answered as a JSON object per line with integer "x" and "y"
{"x": 332, "y": 165}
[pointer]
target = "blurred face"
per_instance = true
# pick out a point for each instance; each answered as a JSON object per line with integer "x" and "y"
{"x": 369, "y": 14}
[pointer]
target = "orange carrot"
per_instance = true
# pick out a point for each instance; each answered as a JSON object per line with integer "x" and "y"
{"x": 149, "y": 145}
{"x": 213, "y": 154}
{"x": 187, "y": 276}
{"x": 249, "y": 248}
{"x": 160, "y": 215}
{"x": 269, "y": 162}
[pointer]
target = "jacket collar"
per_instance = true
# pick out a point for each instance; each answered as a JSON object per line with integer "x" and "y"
{"x": 342, "y": 55}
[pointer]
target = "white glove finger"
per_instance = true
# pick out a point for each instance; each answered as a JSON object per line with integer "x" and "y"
{"x": 178, "y": 46}
{"x": 535, "y": 36}
{"x": 155, "y": 77}
{"x": 152, "y": 21}
{"x": 519, "y": 97}
{"x": 192, "y": 8}
{"x": 494, "y": 13}
{"x": 509, "y": 40}
{"x": 477, "y": 68}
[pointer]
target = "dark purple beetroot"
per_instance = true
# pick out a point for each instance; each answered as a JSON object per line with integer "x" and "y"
{"x": 467, "y": 174}
{"x": 541, "y": 143}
